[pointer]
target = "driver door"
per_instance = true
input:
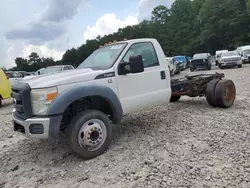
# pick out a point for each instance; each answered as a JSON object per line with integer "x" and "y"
{"x": 146, "y": 89}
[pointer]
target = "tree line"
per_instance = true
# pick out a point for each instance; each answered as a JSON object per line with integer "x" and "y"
{"x": 187, "y": 27}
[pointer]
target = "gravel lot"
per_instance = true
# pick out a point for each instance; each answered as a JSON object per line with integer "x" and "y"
{"x": 186, "y": 144}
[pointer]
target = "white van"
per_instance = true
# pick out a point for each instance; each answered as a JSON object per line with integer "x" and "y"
{"x": 240, "y": 47}
{"x": 245, "y": 54}
{"x": 217, "y": 56}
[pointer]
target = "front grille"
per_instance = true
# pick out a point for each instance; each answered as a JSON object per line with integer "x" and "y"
{"x": 231, "y": 60}
{"x": 198, "y": 61}
{"x": 21, "y": 94}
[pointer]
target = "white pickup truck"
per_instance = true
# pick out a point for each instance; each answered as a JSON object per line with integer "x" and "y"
{"x": 115, "y": 80}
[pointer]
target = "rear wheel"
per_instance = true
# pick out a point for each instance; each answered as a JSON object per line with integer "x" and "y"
{"x": 175, "y": 98}
{"x": 90, "y": 133}
{"x": 225, "y": 93}
{"x": 209, "y": 67}
{"x": 0, "y": 101}
{"x": 178, "y": 70}
{"x": 210, "y": 92}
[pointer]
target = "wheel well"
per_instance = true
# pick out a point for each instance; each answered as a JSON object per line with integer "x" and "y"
{"x": 82, "y": 104}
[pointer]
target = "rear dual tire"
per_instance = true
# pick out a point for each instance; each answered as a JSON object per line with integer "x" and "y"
{"x": 221, "y": 93}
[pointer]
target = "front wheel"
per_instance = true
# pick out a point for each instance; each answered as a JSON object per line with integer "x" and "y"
{"x": 239, "y": 66}
{"x": 175, "y": 98}
{"x": 90, "y": 133}
{"x": 0, "y": 101}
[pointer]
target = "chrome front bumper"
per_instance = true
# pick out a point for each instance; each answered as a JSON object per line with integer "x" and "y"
{"x": 33, "y": 127}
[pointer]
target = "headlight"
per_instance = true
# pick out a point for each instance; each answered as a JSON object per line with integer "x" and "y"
{"x": 41, "y": 99}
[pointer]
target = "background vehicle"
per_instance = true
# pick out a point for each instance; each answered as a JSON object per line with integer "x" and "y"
{"x": 50, "y": 70}
{"x": 57, "y": 68}
{"x": 24, "y": 73}
{"x": 239, "y": 49}
{"x": 245, "y": 54}
{"x": 14, "y": 77}
{"x": 39, "y": 72}
{"x": 173, "y": 66}
{"x": 183, "y": 62}
{"x": 115, "y": 80}
{"x": 217, "y": 56}
{"x": 201, "y": 61}
{"x": 5, "y": 88}
{"x": 230, "y": 59}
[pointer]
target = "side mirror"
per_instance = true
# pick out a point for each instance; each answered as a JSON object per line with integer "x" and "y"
{"x": 135, "y": 65}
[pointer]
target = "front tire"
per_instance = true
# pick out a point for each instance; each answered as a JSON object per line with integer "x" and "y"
{"x": 239, "y": 66}
{"x": 1, "y": 102}
{"x": 90, "y": 134}
{"x": 175, "y": 98}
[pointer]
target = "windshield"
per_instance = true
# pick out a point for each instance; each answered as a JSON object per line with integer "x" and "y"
{"x": 52, "y": 69}
{"x": 200, "y": 56}
{"x": 246, "y": 52}
{"x": 179, "y": 58}
{"x": 103, "y": 58}
{"x": 229, "y": 54}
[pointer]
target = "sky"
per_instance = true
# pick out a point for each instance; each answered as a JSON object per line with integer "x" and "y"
{"x": 50, "y": 27}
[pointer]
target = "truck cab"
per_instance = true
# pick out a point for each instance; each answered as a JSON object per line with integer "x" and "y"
{"x": 115, "y": 80}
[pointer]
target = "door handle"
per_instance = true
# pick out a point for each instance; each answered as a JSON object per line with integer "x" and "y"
{"x": 163, "y": 75}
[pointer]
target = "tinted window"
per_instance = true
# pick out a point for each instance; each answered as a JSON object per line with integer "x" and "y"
{"x": 146, "y": 50}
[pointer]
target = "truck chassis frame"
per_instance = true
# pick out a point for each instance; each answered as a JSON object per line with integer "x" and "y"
{"x": 218, "y": 91}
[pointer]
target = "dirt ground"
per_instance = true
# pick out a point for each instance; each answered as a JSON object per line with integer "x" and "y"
{"x": 181, "y": 145}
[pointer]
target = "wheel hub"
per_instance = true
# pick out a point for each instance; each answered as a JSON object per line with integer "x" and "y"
{"x": 91, "y": 134}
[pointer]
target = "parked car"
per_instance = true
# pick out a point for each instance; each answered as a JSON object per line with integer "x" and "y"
{"x": 39, "y": 72}
{"x": 57, "y": 68}
{"x": 5, "y": 88}
{"x": 14, "y": 77}
{"x": 173, "y": 66}
{"x": 245, "y": 54}
{"x": 217, "y": 56}
{"x": 230, "y": 59}
{"x": 201, "y": 61}
{"x": 50, "y": 70}
{"x": 183, "y": 61}
{"x": 24, "y": 73}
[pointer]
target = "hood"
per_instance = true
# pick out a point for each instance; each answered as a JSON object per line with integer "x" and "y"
{"x": 231, "y": 57}
{"x": 61, "y": 78}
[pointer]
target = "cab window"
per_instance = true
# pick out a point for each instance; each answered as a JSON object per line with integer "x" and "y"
{"x": 146, "y": 50}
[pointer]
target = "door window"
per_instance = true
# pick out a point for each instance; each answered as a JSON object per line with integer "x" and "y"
{"x": 146, "y": 50}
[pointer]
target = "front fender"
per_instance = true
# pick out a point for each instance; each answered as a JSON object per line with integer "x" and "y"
{"x": 67, "y": 97}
